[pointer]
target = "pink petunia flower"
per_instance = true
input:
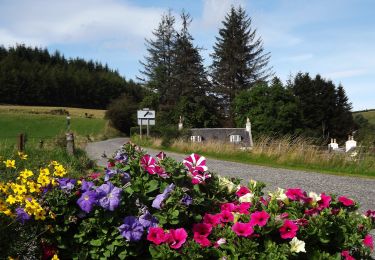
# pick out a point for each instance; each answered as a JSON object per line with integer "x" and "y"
{"x": 161, "y": 156}
{"x": 242, "y": 191}
{"x": 347, "y": 255}
{"x": 295, "y": 194}
{"x": 201, "y": 232}
{"x": 157, "y": 235}
{"x": 212, "y": 220}
{"x": 324, "y": 201}
{"x": 195, "y": 163}
{"x": 259, "y": 218}
{"x": 288, "y": 230}
{"x": 226, "y": 216}
{"x": 200, "y": 178}
{"x": 345, "y": 201}
{"x": 228, "y": 206}
{"x": 220, "y": 242}
{"x": 148, "y": 164}
{"x": 243, "y": 229}
{"x": 160, "y": 171}
{"x": 369, "y": 242}
{"x": 177, "y": 237}
{"x": 243, "y": 208}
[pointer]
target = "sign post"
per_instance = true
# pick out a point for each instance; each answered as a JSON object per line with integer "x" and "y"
{"x": 147, "y": 117}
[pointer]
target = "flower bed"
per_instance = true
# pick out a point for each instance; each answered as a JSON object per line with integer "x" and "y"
{"x": 149, "y": 207}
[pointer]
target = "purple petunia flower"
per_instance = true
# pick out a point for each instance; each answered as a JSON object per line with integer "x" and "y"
{"x": 147, "y": 220}
{"x": 109, "y": 196}
{"x": 126, "y": 178}
{"x": 66, "y": 183}
{"x": 87, "y": 201}
{"x": 121, "y": 157}
{"x": 187, "y": 200}
{"x": 109, "y": 173}
{"x": 163, "y": 196}
{"x": 132, "y": 229}
{"x": 22, "y": 216}
{"x": 86, "y": 185}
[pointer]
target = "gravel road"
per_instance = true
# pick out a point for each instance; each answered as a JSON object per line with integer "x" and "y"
{"x": 360, "y": 189}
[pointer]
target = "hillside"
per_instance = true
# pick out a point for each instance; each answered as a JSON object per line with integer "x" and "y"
{"x": 368, "y": 114}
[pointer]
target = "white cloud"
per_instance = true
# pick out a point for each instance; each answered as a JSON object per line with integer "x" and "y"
{"x": 58, "y": 22}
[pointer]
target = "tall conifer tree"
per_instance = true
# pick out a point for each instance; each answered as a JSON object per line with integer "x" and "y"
{"x": 239, "y": 59}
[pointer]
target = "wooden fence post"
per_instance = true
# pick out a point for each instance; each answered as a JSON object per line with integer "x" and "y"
{"x": 21, "y": 142}
{"x": 70, "y": 143}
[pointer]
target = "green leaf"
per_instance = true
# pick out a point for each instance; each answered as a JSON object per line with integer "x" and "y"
{"x": 96, "y": 242}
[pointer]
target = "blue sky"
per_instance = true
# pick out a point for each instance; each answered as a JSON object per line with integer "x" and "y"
{"x": 334, "y": 38}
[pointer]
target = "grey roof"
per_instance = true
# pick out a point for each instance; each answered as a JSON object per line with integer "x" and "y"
{"x": 221, "y": 134}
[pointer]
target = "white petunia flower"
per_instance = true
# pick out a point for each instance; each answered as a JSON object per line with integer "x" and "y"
{"x": 297, "y": 245}
{"x": 248, "y": 197}
{"x": 314, "y": 196}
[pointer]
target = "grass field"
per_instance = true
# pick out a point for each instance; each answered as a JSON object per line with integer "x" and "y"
{"x": 40, "y": 123}
{"x": 297, "y": 154}
{"x": 369, "y": 115}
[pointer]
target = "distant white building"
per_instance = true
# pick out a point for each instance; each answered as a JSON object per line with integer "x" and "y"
{"x": 350, "y": 144}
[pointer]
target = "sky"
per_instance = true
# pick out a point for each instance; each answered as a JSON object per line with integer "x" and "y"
{"x": 334, "y": 38}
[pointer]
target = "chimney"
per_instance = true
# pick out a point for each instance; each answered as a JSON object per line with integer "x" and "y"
{"x": 248, "y": 129}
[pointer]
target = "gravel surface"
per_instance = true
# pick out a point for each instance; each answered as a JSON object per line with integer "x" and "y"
{"x": 360, "y": 189}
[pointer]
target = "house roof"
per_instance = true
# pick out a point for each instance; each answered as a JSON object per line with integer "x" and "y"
{"x": 221, "y": 134}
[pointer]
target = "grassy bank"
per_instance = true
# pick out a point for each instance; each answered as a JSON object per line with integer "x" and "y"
{"x": 46, "y": 123}
{"x": 287, "y": 153}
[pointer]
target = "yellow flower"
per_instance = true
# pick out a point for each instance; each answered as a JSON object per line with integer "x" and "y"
{"x": 33, "y": 187}
{"x": 44, "y": 171}
{"x": 59, "y": 171}
{"x": 22, "y": 155}
{"x": 26, "y": 174}
{"x": 19, "y": 189}
{"x": 3, "y": 188}
{"x": 11, "y": 199}
{"x": 10, "y": 164}
{"x": 40, "y": 214}
{"x": 44, "y": 180}
{"x": 52, "y": 215}
{"x": 55, "y": 257}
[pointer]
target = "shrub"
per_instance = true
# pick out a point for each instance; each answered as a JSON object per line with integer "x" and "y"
{"x": 143, "y": 207}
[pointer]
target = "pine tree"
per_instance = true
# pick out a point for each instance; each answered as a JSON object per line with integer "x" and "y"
{"x": 157, "y": 67}
{"x": 239, "y": 59}
{"x": 190, "y": 86}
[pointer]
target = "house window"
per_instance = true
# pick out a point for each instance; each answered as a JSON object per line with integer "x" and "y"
{"x": 235, "y": 138}
{"x": 196, "y": 138}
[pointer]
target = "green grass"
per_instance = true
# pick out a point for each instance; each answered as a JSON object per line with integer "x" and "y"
{"x": 369, "y": 115}
{"x": 337, "y": 164}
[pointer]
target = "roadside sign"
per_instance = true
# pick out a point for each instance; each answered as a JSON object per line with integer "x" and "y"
{"x": 143, "y": 121}
{"x": 146, "y": 114}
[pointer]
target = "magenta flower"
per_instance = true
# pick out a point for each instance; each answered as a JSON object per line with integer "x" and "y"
{"x": 132, "y": 229}
{"x": 345, "y": 201}
{"x": 228, "y": 206}
{"x": 242, "y": 191}
{"x": 243, "y": 208}
{"x": 201, "y": 232}
{"x": 160, "y": 171}
{"x": 259, "y": 218}
{"x": 87, "y": 201}
{"x": 200, "y": 178}
{"x": 368, "y": 241}
{"x": 157, "y": 235}
{"x": 177, "y": 237}
{"x": 148, "y": 164}
{"x": 161, "y": 156}
{"x": 295, "y": 194}
{"x": 243, "y": 229}
{"x": 370, "y": 214}
{"x": 212, "y": 220}
{"x": 195, "y": 163}
{"x": 324, "y": 201}
{"x": 288, "y": 230}
{"x": 226, "y": 216}
{"x": 109, "y": 196}
{"x": 347, "y": 255}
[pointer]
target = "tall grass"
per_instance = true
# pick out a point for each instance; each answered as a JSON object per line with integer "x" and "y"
{"x": 287, "y": 152}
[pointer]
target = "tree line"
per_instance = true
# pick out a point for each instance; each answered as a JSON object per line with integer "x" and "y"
{"x": 239, "y": 83}
{"x": 33, "y": 76}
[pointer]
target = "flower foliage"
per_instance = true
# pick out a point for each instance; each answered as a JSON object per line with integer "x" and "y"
{"x": 142, "y": 207}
